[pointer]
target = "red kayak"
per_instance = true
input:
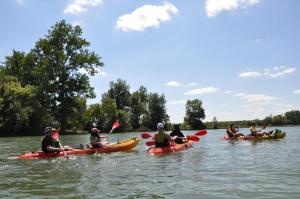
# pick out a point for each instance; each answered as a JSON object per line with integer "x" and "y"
{"x": 124, "y": 145}
{"x": 170, "y": 149}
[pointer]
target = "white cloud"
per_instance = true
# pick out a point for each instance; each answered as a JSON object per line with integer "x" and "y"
{"x": 249, "y": 74}
{"x": 177, "y": 102}
{"x": 146, "y": 16}
{"x": 279, "y": 71}
{"x": 213, "y": 7}
{"x": 201, "y": 91}
{"x": 255, "y": 98}
{"x": 240, "y": 95}
{"x": 193, "y": 84}
{"x": 76, "y": 7}
{"x": 173, "y": 84}
{"x": 297, "y": 91}
{"x": 228, "y": 92}
{"x": 102, "y": 73}
{"x": 98, "y": 72}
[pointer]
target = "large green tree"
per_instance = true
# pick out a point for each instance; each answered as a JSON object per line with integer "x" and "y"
{"x": 156, "y": 111}
{"x": 194, "y": 113}
{"x": 60, "y": 59}
{"x": 119, "y": 91}
{"x": 138, "y": 103}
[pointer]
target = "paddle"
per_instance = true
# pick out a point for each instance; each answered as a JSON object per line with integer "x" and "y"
{"x": 190, "y": 137}
{"x": 115, "y": 125}
{"x": 55, "y": 136}
{"x": 193, "y": 138}
{"x": 146, "y": 135}
{"x": 150, "y": 143}
{"x": 199, "y": 133}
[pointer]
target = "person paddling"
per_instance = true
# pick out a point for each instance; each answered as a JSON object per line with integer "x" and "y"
{"x": 255, "y": 132}
{"x": 177, "y": 135}
{"x": 233, "y": 132}
{"x": 50, "y": 144}
{"x": 161, "y": 138}
{"x": 95, "y": 138}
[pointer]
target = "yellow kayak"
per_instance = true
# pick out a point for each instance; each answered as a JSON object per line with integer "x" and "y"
{"x": 124, "y": 145}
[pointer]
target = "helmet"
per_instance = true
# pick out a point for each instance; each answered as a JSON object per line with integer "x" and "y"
{"x": 48, "y": 130}
{"x": 95, "y": 130}
{"x": 160, "y": 126}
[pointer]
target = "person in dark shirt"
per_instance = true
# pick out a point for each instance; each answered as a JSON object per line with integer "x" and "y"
{"x": 177, "y": 134}
{"x": 49, "y": 144}
{"x": 95, "y": 138}
{"x": 233, "y": 131}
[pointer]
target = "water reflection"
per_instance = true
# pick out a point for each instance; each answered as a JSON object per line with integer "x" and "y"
{"x": 212, "y": 168}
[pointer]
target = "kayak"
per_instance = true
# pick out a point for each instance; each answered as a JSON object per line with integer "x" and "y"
{"x": 273, "y": 135}
{"x": 124, "y": 145}
{"x": 169, "y": 149}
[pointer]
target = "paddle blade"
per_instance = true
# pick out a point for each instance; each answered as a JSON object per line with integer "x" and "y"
{"x": 193, "y": 138}
{"x": 145, "y": 135}
{"x": 150, "y": 143}
{"x": 201, "y": 133}
{"x": 55, "y": 135}
{"x": 115, "y": 125}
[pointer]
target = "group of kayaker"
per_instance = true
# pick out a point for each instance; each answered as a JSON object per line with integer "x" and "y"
{"x": 162, "y": 139}
{"x": 51, "y": 143}
{"x": 234, "y": 131}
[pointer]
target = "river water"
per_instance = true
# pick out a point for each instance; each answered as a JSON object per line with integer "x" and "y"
{"x": 212, "y": 168}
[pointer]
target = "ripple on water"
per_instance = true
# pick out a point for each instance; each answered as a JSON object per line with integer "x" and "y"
{"x": 212, "y": 168}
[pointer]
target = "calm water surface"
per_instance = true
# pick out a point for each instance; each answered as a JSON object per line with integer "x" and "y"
{"x": 212, "y": 168}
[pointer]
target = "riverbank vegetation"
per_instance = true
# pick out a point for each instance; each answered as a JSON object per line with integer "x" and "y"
{"x": 49, "y": 86}
{"x": 289, "y": 118}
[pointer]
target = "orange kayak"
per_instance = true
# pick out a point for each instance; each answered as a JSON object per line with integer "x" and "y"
{"x": 169, "y": 149}
{"x": 124, "y": 145}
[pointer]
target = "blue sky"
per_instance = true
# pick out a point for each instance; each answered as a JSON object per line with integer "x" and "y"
{"x": 240, "y": 57}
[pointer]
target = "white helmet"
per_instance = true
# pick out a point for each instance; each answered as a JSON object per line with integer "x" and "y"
{"x": 160, "y": 126}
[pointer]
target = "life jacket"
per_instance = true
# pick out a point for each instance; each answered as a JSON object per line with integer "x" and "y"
{"x": 230, "y": 134}
{"x": 49, "y": 141}
{"x": 95, "y": 135}
{"x": 161, "y": 140}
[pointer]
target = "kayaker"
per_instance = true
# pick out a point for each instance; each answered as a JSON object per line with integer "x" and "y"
{"x": 255, "y": 132}
{"x": 161, "y": 138}
{"x": 95, "y": 138}
{"x": 49, "y": 144}
{"x": 177, "y": 135}
{"x": 233, "y": 132}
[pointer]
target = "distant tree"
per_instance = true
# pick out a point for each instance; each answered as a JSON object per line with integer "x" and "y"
{"x": 94, "y": 117}
{"x": 119, "y": 91}
{"x": 215, "y": 123}
{"x": 293, "y": 117}
{"x": 138, "y": 102}
{"x": 21, "y": 66}
{"x": 16, "y": 105}
{"x": 194, "y": 114}
{"x": 156, "y": 111}
{"x": 76, "y": 119}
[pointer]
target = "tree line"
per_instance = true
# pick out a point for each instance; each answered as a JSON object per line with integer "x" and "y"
{"x": 288, "y": 118}
{"x": 47, "y": 87}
